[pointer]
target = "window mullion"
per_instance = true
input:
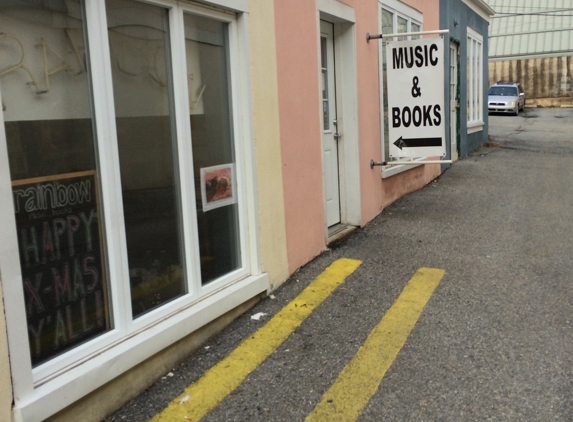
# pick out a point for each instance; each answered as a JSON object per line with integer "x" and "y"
{"x": 108, "y": 156}
{"x": 480, "y": 82}
{"x": 470, "y": 80}
{"x": 475, "y": 79}
{"x": 237, "y": 123}
{"x": 185, "y": 155}
{"x": 14, "y": 303}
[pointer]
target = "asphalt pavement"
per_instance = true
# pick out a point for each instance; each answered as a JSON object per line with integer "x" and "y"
{"x": 494, "y": 341}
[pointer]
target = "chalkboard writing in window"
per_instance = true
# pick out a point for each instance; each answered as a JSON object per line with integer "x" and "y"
{"x": 63, "y": 272}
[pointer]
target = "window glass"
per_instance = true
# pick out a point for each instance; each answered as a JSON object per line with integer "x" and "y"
{"x": 387, "y": 28}
{"x": 387, "y": 22}
{"x": 415, "y": 28}
{"x": 392, "y": 24}
{"x": 402, "y": 27}
{"x": 213, "y": 145}
{"x": 324, "y": 70}
{"x": 478, "y": 82}
{"x": 474, "y": 79}
{"x": 469, "y": 79}
{"x": 47, "y": 106}
{"x": 142, "y": 88}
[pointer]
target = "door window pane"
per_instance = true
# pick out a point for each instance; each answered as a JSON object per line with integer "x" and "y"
{"x": 324, "y": 70}
{"x": 139, "y": 43}
{"x": 213, "y": 145}
{"x": 46, "y": 101}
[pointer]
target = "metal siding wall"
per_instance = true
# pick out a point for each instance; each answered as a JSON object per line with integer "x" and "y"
{"x": 530, "y": 35}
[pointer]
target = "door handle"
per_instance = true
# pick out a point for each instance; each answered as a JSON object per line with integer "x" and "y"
{"x": 336, "y": 135}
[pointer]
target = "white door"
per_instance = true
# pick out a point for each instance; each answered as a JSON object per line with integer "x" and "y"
{"x": 330, "y": 136}
{"x": 454, "y": 99}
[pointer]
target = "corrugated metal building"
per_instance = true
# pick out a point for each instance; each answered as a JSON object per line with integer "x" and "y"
{"x": 531, "y": 41}
{"x": 525, "y": 29}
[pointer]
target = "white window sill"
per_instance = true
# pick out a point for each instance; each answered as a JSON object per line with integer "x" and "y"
{"x": 78, "y": 382}
{"x": 390, "y": 171}
{"x": 475, "y": 127}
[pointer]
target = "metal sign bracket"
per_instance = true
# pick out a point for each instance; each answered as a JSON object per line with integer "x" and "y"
{"x": 407, "y": 163}
{"x": 405, "y": 34}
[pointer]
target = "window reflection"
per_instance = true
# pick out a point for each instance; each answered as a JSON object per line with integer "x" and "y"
{"x": 46, "y": 102}
{"x": 402, "y": 28}
{"x": 213, "y": 145}
{"x": 387, "y": 28}
{"x": 139, "y": 43}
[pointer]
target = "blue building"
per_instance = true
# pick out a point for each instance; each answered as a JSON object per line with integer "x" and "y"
{"x": 466, "y": 77}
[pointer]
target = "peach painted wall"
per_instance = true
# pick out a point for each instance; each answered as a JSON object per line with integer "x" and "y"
{"x": 299, "y": 108}
{"x": 430, "y": 9}
{"x": 300, "y": 121}
{"x": 367, "y": 57}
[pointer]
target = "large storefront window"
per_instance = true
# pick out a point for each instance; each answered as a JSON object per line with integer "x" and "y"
{"x": 123, "y": 136}
{"x": 50, "y": 136}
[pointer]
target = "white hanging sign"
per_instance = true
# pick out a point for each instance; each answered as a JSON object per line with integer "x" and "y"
{"x": 415, "y": 80}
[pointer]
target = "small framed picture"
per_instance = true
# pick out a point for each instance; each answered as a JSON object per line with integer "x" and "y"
{"x": 218, "y": 186}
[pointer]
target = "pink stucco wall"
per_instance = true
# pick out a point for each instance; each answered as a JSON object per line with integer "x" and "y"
{"x": 299, "y": 109}
{"x": 430, "y": 9}
{"x": 300, "y": 120}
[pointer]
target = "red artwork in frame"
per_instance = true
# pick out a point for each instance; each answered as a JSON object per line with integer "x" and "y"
{"x": 218, "y": 186}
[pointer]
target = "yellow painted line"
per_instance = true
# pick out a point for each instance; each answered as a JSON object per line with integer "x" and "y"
{"x": 360, "y": 379}
{"x": 202, "y": 396}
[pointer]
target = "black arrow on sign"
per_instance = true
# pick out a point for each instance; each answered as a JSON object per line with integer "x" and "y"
{"x": 418, "y": 142}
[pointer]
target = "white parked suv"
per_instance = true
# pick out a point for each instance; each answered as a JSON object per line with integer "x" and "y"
{"x": 506, "y": 97}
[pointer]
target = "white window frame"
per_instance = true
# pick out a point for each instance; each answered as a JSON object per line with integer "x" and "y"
{"x": 398, "y": 9}
{"x": 474, "y": 88}
{"x": 42, "y": 391}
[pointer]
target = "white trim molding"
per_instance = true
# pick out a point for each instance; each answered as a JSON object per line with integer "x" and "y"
{"x": 402, "y": 9}
{"x": 343, "y": 19}
{"x": 71, "y": 386}
{"x": 481, "y": 8}
{"x": 476, "y": 127}
{"x": 335, "y": 12}
{"x": 230, "y": 5}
